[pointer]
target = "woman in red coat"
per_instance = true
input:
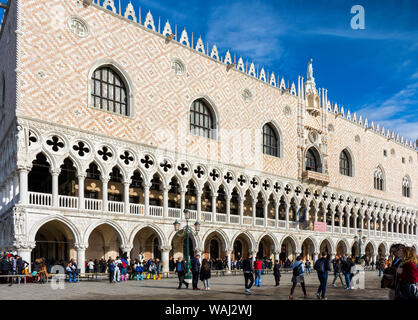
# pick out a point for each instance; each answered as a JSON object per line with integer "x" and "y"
{"x": 408, "y": 278}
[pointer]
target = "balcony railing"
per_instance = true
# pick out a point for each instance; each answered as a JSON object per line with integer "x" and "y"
{"x": 234, "y": 219}
{"x": 93, "y": 204}
{"x": 259, "y": 222}
{"x": 137, "y": 209}
{"x": 69, "y": 202}
{"x": 155, "y": 211}
{"x": 221, "y": 217}
{"x": 40, "y": 199}
{"x": 115, "y": 207}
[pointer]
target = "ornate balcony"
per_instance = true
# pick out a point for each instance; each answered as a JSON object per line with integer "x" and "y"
{"x": 315, "y": 177}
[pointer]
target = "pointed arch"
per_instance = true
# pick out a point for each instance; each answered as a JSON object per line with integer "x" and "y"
{"x": 347, "y": 162}
{"x": 67, "y": 222}
{"x": 204, "y": 118}
{"x": 272, "y": 139}
{"x": 119, "y": 230}
{"x": 222, "y": 236}
{"x": 160, "y": 234}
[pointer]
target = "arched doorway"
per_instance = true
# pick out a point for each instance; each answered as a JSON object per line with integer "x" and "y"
{"x": 179, "y": 247}
{"x": 214, "y": 247}
{"x": 54, "y": 242}
{"x": 288, "y": 250}
{"x": 341, "y": 248}
{"x": 265, "y": 248}
{"x": 242, "y": 246}
{"x": 308, "y": 250}
{"x": 148, "y": 242}
{"x": 104, "y": 242}
{"x": 326, "y": 247}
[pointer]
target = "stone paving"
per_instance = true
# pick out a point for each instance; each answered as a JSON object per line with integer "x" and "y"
{"x": 222, "y": 288}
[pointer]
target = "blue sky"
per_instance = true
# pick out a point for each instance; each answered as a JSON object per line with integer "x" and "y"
{"x": 373, "y": 71}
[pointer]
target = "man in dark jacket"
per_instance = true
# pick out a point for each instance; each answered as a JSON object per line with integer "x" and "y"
{"x": 322, "y": 266}
{"x": 276, "y": 272}
{"x": 5, "y": 268}
{"x": 337, "y": 272}
{"x": 247, "y": 267}
{"x": 181, "y": 271}
{"x": 195, "y": 271}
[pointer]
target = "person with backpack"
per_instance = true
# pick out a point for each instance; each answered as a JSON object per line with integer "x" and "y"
{"x": 111, "y": 269}
{"x": 124, "y": 270}
{"x": 181, "y": 270}
{"x": 247, "y": 268}
{"x": 258, "y": 267}
{"x": 205, "y": 274}
{"x": 276, "y": 272}
{"x": 337, "y": 272}
{"x": 298, "y": 277}
{"x": 322, "y": 266}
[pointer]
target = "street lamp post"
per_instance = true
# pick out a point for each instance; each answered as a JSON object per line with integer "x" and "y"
{"x": 359, "y": 239}
{"x": 186, "y": 231}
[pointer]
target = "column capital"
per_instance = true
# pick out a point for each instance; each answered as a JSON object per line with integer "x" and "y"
{"x": 55, "y": 171}
{"x": 24, "y": 245}
{"x": 127, "y": 181}
{"x": 126, "y": 248}
{"x": 82, "y": 175}
{"x": 214, "y": 195}
{"x": 81, "y": 246}
{"x": 104, "y": 179}
{"x": 165, "y": 248}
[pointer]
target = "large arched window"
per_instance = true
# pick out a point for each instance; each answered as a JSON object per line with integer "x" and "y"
{"x": 346, "y": 164}
{"x": 313, "y": 161}
{"x": 202, "y": 120}
{"x": 378, "y": 179}
{"x": 109, "y": 91}
{"x": 406, "y": 191}
{"x": 271, "y": 143}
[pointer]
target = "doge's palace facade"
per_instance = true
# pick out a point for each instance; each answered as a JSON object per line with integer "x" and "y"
{"x": 113, "y": 123}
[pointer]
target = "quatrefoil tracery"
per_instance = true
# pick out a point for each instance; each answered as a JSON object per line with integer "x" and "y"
{"x": 55, "y": 143}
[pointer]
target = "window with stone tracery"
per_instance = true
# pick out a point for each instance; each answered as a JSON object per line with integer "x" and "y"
{"x": 109, "y": 91}
{"x": 406, "y": 192}
{"x": 378, "y": 179}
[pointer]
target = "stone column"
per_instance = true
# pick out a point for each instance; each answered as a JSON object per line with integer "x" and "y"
{"x": 199, "y": 205}
{"x": 147, "y": 186}
{"x": 362, "y": 223}
{"x": 214, "y": 196}
{"x": 105, "y": 182}
{"x": 315, "y": 257}
{"x": 165, "y": 202}
{"x": 228, "y": 209}
{"x": 287, "y": 216}
{"x": 381, "y": 225}
{"x": 23, "y": 185}
{"x": 25, "y": 252}
{"x": 81, "y": 177}
{"x": 265, "y": 207}
{"x": 332, "y": 221}
{"x": 241, "y": 210}
{"x": 81, "y": 256}
{"x": 276, "y": 256}
{"x": 387, "y": 226}
{"x": 254, "y": 256}
{"x": 15, "y": 186}
{"x": 228, "y": 257}
{"x": 126, "y": 185}
{"x": 127, "y": 250}
{"x": 254, "y": 203}
{"x": 276, "y": 213}
{"x": 55, "y": 174}
{"x": 165, "y": 259}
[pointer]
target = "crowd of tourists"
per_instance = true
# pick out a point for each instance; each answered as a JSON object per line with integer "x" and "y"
{"x": 400, "y": 274}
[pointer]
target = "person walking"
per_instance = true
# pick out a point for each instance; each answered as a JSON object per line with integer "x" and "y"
{"x": 195, "y": 271}
{"x": 205, "y": 274}
{"x": 346, "y": 269}
{"x": 337, "y": 272}
{"x": 90, "y": 266}
{"x": 258, "y": 267}
{"x": 124, "y": 270}
{"x": 322, "y": 266}
{"x": 111, "y": 268}
{"x": 276, "y": 272}
{"x": 247, "y": 268}
{"x": 308, "y": 267}
{"x": 118, "y": 267}
{"x": 181, "y": 271}
{"x": 298, "y": 277}
{"x": 381, "y": 266}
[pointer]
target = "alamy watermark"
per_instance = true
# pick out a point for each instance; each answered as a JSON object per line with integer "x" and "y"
{"x": 359, "y": 20}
